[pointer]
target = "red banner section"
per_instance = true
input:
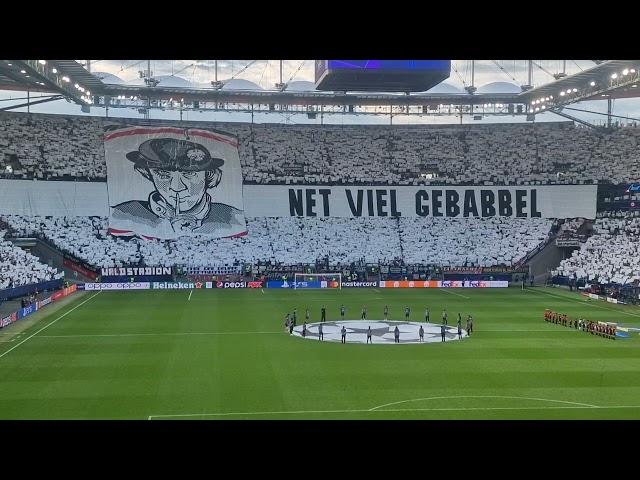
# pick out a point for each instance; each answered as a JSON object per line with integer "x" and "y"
{"x": 79, "y": 268}
{"x": 63, "y": 293}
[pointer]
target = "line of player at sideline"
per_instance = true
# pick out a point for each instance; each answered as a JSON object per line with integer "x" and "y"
{"x": 291, "y": 321}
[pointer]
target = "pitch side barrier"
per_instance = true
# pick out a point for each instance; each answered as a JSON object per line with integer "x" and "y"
{"x": 396, "y": 284}
{"x": 23, "y": 312}
{"x": 167, "y": 285}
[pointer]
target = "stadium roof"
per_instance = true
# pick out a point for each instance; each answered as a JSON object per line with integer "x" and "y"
{"x": 606, "y": 80}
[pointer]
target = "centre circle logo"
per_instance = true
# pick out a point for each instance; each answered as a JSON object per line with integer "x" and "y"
{"x": 382, "y": 332}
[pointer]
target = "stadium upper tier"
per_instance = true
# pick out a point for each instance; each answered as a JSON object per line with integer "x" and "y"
{"x": 297, "y": 240}
{"x": 54, "y": 147}
{"x": 18, "y": 267}
{"x": 612, "y": 254}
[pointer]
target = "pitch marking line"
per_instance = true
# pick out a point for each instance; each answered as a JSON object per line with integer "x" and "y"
{"x": 394, "y": 410}
{"x": 49, "y": 324}
{"x": 453, "y": 293}
{"x": 482, "y": 396}
{"x": 190, "y": 294}
{"x": 562, "y": 297}
{"x": 573, "y": 405}
{"x": 158, "y": 334}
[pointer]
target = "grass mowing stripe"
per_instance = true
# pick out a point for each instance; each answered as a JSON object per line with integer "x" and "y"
{"x": 453, "y": 293}
{"x": 49, "y": 324}
{"x": 156, "y": 334}
{"x": 562, "y": 297}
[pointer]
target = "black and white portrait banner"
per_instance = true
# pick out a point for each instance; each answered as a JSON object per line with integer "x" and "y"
{"x": 167, "y": 182}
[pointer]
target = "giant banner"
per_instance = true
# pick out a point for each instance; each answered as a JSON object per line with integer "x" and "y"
{"x": 547, "y": 201}
{"x": 538, "y": 201}
{"x": 167, "y": 182}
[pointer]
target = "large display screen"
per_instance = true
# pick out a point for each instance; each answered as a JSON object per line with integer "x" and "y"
{"x": 390, "y": 64}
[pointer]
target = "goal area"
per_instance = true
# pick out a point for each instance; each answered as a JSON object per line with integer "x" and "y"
{"x": 317, "y": 280}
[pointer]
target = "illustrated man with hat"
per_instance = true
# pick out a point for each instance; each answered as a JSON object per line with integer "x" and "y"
{"x": 182, "y": 172}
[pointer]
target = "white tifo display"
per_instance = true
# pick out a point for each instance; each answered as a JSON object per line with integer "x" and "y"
{"x": 317, "y": 280}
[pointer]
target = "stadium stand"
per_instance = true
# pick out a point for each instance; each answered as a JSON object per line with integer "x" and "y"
{"x": 55, "y": 147}
{"x": 470, "y": 242}
{"x": 293, "y": 240}
{"x": 611, "y": 255}
{"x": 18, "y": 267}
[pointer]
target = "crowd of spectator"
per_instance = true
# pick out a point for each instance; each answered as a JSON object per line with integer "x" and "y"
{"x": 18, "y": 267}
{"x": 58, "y": 147}
{"x": 302, "y": 240}
{"x": 611, "y": 254}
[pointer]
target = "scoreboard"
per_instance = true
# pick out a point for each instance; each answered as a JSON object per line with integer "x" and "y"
{"x": 381, "y": 75}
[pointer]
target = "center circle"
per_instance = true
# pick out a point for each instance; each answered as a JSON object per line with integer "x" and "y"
{"x": 382, "y": 332}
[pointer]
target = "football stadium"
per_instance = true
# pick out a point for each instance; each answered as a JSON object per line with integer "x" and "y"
{"x": 319, "y": 239}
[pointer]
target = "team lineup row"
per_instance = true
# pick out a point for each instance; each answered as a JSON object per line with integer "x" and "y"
{"x": 292, "y": 317}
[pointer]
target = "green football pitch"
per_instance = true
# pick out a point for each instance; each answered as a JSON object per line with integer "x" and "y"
{"x": 223, "y": 354}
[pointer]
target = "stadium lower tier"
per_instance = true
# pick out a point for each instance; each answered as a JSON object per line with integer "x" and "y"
{"x": 611, "y": 255}
{"x": 437, "y": 241}
{"x": 18, "y": 267}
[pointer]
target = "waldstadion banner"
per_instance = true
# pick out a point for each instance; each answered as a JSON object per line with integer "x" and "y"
{"x": 544, "y": 201}
{"x": 135, "y": 271}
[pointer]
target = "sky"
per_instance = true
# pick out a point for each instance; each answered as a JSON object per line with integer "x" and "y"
{"x": 266, "y": 73}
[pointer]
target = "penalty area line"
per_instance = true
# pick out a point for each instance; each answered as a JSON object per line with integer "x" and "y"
{"x": 190, "y": 294}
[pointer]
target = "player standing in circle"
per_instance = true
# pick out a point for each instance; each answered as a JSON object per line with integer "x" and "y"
{"x": 459, "y": 318}
{"x": 369, "y": 340}
{"x": 407, "y": 310}
{"x": 323, "y": 314}
{"x": 287, "y": 321}
{"x": 444, "y": 316}
{"x": 396, "y": 334}
{"x": 291, "y": 327}
{"x": 426, "y": 315}
{"x": 295, "y": 316}
{"x": 342, "y": 310}
{"x": 386, "y": 311}
{"x": 421, "y": 333}
{"x": 306, "y": 315}
{"x": 459, "y": 327}
{"x": 364, "y": 313}
{"x": 443, "y": 330}
{"x": 470, "y": 324}
{"x": 304, "y": 329}
{"x": 344, "y": 334}
{"x": 320, "y": 334}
